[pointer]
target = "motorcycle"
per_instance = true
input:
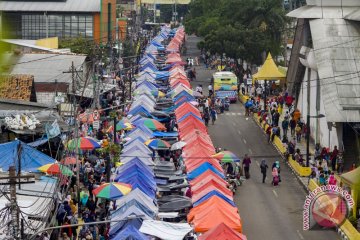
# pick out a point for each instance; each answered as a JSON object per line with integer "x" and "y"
{"x": 234, "y": 182}
{"x": 227, "y": 104}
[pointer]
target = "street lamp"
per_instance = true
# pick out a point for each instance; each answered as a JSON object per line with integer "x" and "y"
{"x": 308, "y": 135}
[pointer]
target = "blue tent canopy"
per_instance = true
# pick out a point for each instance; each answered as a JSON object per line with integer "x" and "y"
{"x": 181, "y": 94}
{"x": 187, "y": 115}
{"x": 138, "y": 110}
{"x": 140, "y": 184}
{"x": 165, "y": 134}
{"x": 139, "y": 138}
{"x": 118, "y": 226}
{"x": 213, "y": 193}
{"x": 129, "y": 233}
{"x": 138, "y": 165}
{"x": 151, "y": 85}
{"x": 133, "y": 202}
{"x": 184, "y": 100}
{"x": 203, "y": 168}
{"x": 138, "y": 149}
{"x": 30, "y": 158}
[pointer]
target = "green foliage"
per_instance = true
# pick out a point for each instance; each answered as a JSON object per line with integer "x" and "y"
{"x": 80, "y": 45}
{"x": 239, "y": 28}
{"x": 113, "y": 150}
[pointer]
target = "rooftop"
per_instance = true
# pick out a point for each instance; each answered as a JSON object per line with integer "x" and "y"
{"x": 46, "y": 68}
{"x": 63, "y": 6}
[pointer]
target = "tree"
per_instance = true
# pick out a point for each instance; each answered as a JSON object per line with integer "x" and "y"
{"x": 80, "y": 45}
{"x": 239, "y": 28}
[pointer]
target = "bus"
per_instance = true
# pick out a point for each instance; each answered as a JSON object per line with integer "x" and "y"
{"x": 225, "y": 84}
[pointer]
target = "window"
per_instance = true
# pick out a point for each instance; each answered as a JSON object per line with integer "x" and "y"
{"x": 36, "y": 26}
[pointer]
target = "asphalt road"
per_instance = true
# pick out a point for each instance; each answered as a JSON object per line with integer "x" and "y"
{"x": 267, "y": 212}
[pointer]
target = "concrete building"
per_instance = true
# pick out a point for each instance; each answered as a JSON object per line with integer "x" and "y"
{"x": 93, "y": 19}
{"x": 325, "y": 56}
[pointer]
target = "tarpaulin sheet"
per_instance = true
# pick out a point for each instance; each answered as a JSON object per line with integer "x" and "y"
{"x": 165, "y": 230}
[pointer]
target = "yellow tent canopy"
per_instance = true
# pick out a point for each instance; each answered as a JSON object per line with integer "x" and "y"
{"x": 351, "y": 178}
{"x": 269, "y": 71}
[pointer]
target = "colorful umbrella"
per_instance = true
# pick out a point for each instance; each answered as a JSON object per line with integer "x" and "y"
{"x": 124, "y": 125}
{"x": 68, "y": 161}
{"x": 54, "y": 168}
{"x": 83, "y": 143}
{"x": 226, "y": 156}
{"x": 151, "y": 124}
{"x": 178, "y": 145}
{"x": 157, "y": 144}
{"x": 112, "y": 190}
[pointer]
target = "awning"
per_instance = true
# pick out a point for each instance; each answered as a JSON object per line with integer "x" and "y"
{"x": 269, "y": 71}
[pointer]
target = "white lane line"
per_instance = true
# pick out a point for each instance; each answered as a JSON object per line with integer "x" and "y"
{"x": 239, "y": 132}
{"x": 250, "y": 151}
{"x": 257, "y": 163}
{"x": 233, "y": 114}
{"x": 300, "y": 235}
{"x": 227, "y": 114}
{"x": 275, "y": 193}
{"x": 244, "y": 140}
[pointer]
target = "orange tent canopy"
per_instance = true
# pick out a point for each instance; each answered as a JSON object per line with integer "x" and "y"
{"x": 210, "y": 213}
{"x": 186, "y": 108}
{"x": 209, "y": 186}
{"x": 205, "y": 177}
{"x": 182, "y": 82}
{"x": 192, "y": 164}
{"x": 197, "y": 196}
{"x": 222, "y": 232}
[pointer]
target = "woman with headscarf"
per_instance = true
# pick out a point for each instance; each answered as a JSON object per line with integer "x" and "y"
{"x": 263, "y": 168}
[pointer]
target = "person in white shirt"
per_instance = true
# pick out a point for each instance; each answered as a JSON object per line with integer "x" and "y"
{"x": 259, "y": 91}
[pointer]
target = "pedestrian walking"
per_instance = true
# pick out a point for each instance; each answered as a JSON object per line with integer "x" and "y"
{"x": 298, "y": 131}
{"x": 246, "y": 166}
{"x": 213, "y": 115}
{"x": 275, "y": 176}
{"x": 263, "y": 169}
{"x": 285, "y": 126}
{"x": 206, "y": 116}
{"x": 292, "y": 127}
{"x": 333, "y": 158}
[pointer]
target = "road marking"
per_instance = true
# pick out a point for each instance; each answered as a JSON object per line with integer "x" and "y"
{"x": 239, "y": 132}
{"x": 300, "y": 235}
{"x": 244, "y": 140}
{"x": 250, "y": 151}
{"x": 238, "y": 114}
{"x": 276, "y": 195}
{"x": 233, "y": 114}
{"x": 257, "y": 163}
{"x": 246, "y": 119}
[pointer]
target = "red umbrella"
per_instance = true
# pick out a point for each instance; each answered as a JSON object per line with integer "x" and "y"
{"x": 68, "y": 161}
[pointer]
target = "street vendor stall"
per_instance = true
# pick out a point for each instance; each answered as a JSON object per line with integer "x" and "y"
{"x": 352, "y": 180}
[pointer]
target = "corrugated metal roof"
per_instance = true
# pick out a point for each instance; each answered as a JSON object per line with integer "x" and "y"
{"x": 48, "y": 67}
{"x": 67, "y": 6}
{"x": 336, "y": 44}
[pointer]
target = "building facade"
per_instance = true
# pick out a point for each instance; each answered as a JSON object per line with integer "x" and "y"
{"x": 93, "y": 19}
{"x": 323, "y": 73}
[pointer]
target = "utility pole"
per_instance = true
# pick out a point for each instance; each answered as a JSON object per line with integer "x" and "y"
{"x": 265, "y": 84}
{"x": 308, "y": 119}
{"x": 76, "y": 133}
{"x": 14, "y": 209}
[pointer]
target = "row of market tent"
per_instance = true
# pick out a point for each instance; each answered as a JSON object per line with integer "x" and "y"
{"x": 135, "y": 217}
{"x": 213, "y": 205}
